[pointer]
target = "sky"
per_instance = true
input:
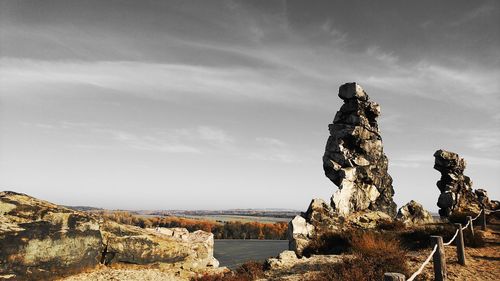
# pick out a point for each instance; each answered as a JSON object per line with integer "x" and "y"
{"x": 226, "y": 104}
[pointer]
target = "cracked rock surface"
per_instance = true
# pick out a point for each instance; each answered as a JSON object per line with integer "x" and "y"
{"x": 354, "y": 158}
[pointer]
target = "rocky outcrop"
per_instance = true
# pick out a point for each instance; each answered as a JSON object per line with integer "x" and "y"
{"x": 482, "y": 196}
{"x": 130, "y": 244}
{"x": 41, "y": 241}
{"x": 413, "y": 214}
{"x": 456, "y": 188}
{"x": 354, "y": 159}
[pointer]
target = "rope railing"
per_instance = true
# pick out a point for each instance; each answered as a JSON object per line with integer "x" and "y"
{"x": 467, "y": 225}
{"x": 414, "y": 275}
{"x": 476, "y": 217}
{"x": 438, "y": 251}
{"x": 452, "y": 239}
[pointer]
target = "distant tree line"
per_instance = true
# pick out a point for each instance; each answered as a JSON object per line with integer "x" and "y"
{"x": 221, "y": 230}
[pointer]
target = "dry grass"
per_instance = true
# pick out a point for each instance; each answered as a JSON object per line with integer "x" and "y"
{"x": 329, "y": 243}
{"x": 246, "y": 272}
{"x": 374, "y": 254}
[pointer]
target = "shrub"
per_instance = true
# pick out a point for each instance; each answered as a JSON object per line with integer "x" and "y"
{"x": 460, "y": 217}
{"x": 392, "y": 225}
{"x": 246, "y": 272}
{"x": 374, "y": 254}
{"x": 329, "y": 243}
{"x": 420, "y": 238}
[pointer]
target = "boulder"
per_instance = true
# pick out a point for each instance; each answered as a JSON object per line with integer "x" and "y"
{"x": 413, "y": 214}
{"x": 40, "y": 240}
{"x": 43, "y": 241}
{"x": 130, "y": 244}
{"x": 285, "y": 259}
{"x": 354, "y": 159}
{"x": 299, "y": 234}
{"x": 457, "y": 195}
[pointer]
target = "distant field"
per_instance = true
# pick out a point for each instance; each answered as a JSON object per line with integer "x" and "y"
{"x": 234, "y": 252}
{"x": 226, "y": 218}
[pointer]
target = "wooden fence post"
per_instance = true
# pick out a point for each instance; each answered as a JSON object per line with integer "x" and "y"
{"x": 439, "y": 259}
{"x": 469, "y": 219}
{"x": 459, "y": 242}
{"x": 483, "y": 219}
{"x": 391, "y": 276}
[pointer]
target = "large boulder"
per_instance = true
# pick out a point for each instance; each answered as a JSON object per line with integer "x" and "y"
{"x": 457, "y": 195}
{"x": 130, "y": 244}
{"x": 43, "y": 241}
{"x": 413, "y": 213}
{"x": 354, "y": 159}
{"x": 40, "y": 240}
{"x": 299, "y": 234}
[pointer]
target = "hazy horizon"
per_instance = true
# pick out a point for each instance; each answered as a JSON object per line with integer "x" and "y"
{"x": 226, "y": 104}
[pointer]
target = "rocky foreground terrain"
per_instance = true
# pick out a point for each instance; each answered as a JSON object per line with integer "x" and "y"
{"x": 41, "y": 241}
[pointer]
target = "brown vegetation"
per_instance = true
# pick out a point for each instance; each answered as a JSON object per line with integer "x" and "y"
{"x": 246, "y": 272}
{"x": 374, "y": 254}
{"x": 227, "y": 230}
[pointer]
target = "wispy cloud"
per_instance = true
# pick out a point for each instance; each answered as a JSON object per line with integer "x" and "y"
{"x": 412, "y": 160}
{"x": 270, "y": 141}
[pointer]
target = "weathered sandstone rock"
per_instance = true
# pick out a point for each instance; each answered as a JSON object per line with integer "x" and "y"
{"x": 456, "y": 188}
{"x": 39, "y": 240}
{"x": 285, "y": 259}
{"x": 299, "y": 234}
{"x": 322, "y": 216}
{"x": 414, "y": 214}
{"x": 482, "y": 196}
{"x": 354, "y": 159}
{"x": 130, "y": 244}
{"x": 42, "y": 241}
{"x": 366, "y": 220}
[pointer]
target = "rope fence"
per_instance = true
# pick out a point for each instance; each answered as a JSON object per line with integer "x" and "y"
{"x": 414, "y": 275}
{"x": 438, "y": 253}
{"x": 467, "y": 225}
{"x": 452, "y": 239}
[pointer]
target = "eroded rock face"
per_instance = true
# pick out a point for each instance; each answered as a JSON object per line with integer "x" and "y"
{"x": 414, "y": 214}
{"x": 456, "y": 188}
{"x": 130, "y": 244}
{"x": 39, "y": 240}
{"x": 42, "y": 241}
{"x": 354, "y": 159}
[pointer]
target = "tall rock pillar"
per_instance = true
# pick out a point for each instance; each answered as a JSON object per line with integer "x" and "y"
{"x": 354, "y": 158}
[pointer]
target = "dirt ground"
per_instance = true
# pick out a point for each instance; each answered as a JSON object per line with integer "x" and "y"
{"x": 481, "y": 263}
